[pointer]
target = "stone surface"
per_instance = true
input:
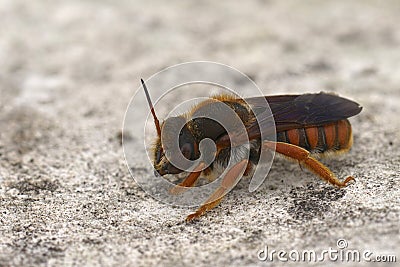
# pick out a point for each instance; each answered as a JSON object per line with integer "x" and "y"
{"x": 68, "y": 70}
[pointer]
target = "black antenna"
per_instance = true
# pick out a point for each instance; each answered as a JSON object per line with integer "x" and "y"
{"x": 156, "y": 122}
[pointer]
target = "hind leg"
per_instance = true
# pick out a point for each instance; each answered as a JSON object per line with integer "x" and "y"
{"x": 305, "y": 159}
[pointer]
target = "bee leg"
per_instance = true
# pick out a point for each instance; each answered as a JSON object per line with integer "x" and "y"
{"x": 304, "y": 157}
{"x": 230, "y": 180}
{"x": 301, "y": 167}
{"x": 189, "y": 181}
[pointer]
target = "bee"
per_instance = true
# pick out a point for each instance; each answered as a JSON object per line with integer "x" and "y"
{"x": 307, "y": 127}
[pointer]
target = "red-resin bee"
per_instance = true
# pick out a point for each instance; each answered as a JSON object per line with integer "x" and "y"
{"x": 307, "y": 126}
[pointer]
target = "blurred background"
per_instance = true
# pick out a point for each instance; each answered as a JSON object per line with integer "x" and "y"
{"x": 68, "y": 70}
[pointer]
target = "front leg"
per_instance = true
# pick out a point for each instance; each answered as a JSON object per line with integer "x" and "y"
{"x": 189, "y": 181}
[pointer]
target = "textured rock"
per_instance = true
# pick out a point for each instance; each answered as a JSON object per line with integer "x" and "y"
{"x": 68, "y": 70}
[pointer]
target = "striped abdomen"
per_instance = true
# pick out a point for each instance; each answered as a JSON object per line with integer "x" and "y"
{"x": 335, "y": 136}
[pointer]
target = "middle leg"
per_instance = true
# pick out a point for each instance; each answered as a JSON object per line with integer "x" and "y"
{"x": 230, "y": 180}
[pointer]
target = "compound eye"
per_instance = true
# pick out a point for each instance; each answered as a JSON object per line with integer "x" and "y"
{"x": 187, "y": 150}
